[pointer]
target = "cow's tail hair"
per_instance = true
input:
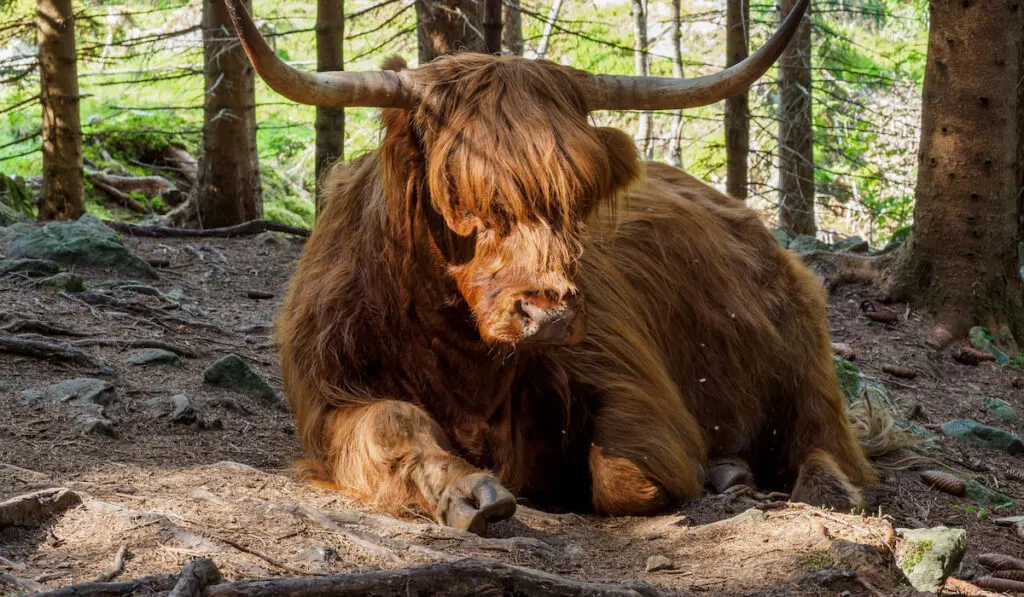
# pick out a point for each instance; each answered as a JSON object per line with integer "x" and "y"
{"x": 874, "y": 424}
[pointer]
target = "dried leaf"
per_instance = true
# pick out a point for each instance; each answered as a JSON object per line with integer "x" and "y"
{"x": 971, "y": 356}
{"x": 886, "y": 317}
{"x": 945, "y": 481}
{"x": 998, "y": 561}
{"x": 1000, "y": 584}
{"x": 897, "y": 371}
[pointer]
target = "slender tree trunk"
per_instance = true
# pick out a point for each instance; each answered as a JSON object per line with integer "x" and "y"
{"x": 512, "y": 33}
{"x": 229, "y": 189}
{"x": 549, "y": 27}
{"x": 492, "y": 26}
{"x": 960, "y": 262}
{"x": 796, "y": 136}
{"x": 675, "y": 148}
{"x": 330, "y": 122}
{"x": 737, "y": 112}
{"x": 640, "y": 65}
{"x": 63, "y": 195}
{"x": 448, "y": 26}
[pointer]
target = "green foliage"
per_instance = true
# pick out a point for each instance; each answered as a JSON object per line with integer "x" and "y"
{"x": 915, "y": 553}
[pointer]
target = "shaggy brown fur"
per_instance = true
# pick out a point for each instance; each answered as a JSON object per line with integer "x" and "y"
{"x": 404, "y": 356}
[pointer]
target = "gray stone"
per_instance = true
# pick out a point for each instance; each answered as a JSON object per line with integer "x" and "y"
{"x": 62, "y": 282}
{"x": 749, "y": 515}
{"x": 781, "y": 237}
{"x": 928, "y": 556}
{"x": 81, "y": 389}
{"x": 1000, "y": 408}
{"x": 33, "y": 268}
{"x": 853, "y": 244}
{"x": 272, "y": 239}
{"x": 320, "y": 553}
{"x": 231, "y": 372}
{"x": 973, "y": 432}
{"x": 177, "y": 409}
{"x": 99, "y": 425}
{"x": 980, "y": 340}
{"x": 655, "y": 563}
{"x": 85, "y": 242}
{"x": 153, "y": 356}
{"x": 806, "y": 244}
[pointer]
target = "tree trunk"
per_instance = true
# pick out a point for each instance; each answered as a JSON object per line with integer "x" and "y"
{"x": 448, "y": 26}
{"x": 229, "y": 182}
{"x": 640, "y": 65}
{"x": 512, "y": 33}
{"x": 737, "y": 112}
{"x": 675, "y": 150}
{"x": 63, "y": 195}
{"x": 960, "y": 263}
{"x": 330, "y": 122}
{"x": 796, "y": 137}
{"x": 549, "y": 27}
{"x": 492, "y": 26}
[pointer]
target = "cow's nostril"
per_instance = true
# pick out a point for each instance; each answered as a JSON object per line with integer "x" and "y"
{"x": 571, "y": 299}
{"x": 522, "y": 308}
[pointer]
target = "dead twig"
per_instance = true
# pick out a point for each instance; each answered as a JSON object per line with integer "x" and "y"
{"x": 246, "y": 229}
{"x": 33, "y": 507}
{"x": 116, "y": 569}
{"x": 197, "y": 575}
{"x": 46, "y": 350}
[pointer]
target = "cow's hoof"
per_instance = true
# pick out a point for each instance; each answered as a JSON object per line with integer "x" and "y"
{"x": 472, "y": 501}
{"x": 726, "y": 474}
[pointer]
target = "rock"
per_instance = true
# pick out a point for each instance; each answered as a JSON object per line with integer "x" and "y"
{"x": 981, "y": 340}
{"x": 869, "y": 564}
{"x": 853, "y": 244}
{"x": 1000, "y": 408}
{"x": 231, "y": 372}
{"x": 177, "y": 408}
{"x": 33, "y": 268}
{"x": 973, "y": 432}
{"x": 655, "y": 563}
{"x": 80, "y": 389}
{"x": 806, "y": 244}
{"x": 272, "y": 239}
{"x": 928, "y": 556}
{"x": 984, "y": 496}
{"x": 153, "y": 356}
{"x": 86, "y": 242}
{"x": 782, "y": 237}
{"x": 749, "y": 515}
{"x": 320, "y": 553}
{"x": 62, "y": 282}
{"x": 175, "y": 295}
{"x": 7, "y": 215}
{"x": 94, "y": 424}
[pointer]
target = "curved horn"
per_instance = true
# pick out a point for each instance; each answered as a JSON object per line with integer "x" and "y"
{"x": 340, "y": 89}
{"x": 665, "y": 93}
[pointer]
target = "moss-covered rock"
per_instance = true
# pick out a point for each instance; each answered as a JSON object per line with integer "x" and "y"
{"x": 928, "y": 556}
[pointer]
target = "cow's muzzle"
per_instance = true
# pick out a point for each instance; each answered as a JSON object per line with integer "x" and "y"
{"x": 550, "y": 322}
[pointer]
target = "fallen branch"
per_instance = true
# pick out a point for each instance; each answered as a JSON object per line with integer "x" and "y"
{"x": 116, "y": 569}
{"x": 197, "y": 575}
{"x": 137, "y": 343}
{"x": 45, "y": 350}
{"x": 27, "y": 583}
{"x": 32, "y": 507}
{"x": 118, "y": 195}
{"x": 245, "y": 229}
{"x": 147, "y": 585}
{"x": 464, "y": 577}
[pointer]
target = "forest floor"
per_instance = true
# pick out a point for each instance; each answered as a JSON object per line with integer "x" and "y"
{"x": 218, "y": 483}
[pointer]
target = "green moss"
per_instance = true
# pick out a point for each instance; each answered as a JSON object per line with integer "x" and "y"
{"x": 916, "y": 551}
{"x": 817, "y": 560}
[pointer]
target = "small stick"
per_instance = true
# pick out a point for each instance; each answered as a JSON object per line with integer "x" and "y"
{"x": 116, "y": 569}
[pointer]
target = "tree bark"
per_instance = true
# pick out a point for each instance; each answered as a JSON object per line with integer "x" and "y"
{"x": 641, "y": 66}
{"x": 512, "y": 32}
{"x": 549, "y": 27}
{"x": 737, "y": 111}
{"x": 63, "y": 195}
{"x": 492, "y": 26}
{"x": 448, "y": 26}
{"x": 330, "y": 122}
{"x": 675, "y": 148}
{"x": 229, "y": 190}
{"x": 960, "y": 262}
{"x": 796, "y": 136}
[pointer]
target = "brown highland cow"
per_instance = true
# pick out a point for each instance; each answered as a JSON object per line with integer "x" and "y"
{"x": 503, "y": 300}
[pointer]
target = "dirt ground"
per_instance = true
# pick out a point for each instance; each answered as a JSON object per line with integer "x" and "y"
{"x": 221, "y": 485}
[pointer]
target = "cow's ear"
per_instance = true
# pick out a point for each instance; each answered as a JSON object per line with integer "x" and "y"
{"x": 623, "y": 157}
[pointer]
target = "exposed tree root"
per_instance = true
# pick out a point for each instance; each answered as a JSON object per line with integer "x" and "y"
{"x": 116, "y": 569}
{"x": 836, "y": 269}
{"x": 46, "y": 350}
{"x": 26, "y": 583}
{"x": 245, "y": 229}
{"x": 33, "y": 507}
{"x": 147, "y": 585}
{"x": 117, "y": 195}
{"x": 137, "y": 343}
{"x": 34, "y": 326}
{"x": 196, "y": 576}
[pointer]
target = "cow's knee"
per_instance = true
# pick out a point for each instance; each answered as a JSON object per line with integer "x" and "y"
{"x": 822, "y": 482}
{"x": 621, "y": 488}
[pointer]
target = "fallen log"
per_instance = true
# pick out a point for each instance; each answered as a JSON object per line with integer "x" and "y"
{"x": 245, "y": 229}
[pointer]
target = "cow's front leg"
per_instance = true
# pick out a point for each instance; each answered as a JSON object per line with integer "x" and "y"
{"x": 394, "y": 454}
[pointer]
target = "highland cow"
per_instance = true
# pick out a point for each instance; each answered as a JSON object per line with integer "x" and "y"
{"x": 503, "y": 300}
